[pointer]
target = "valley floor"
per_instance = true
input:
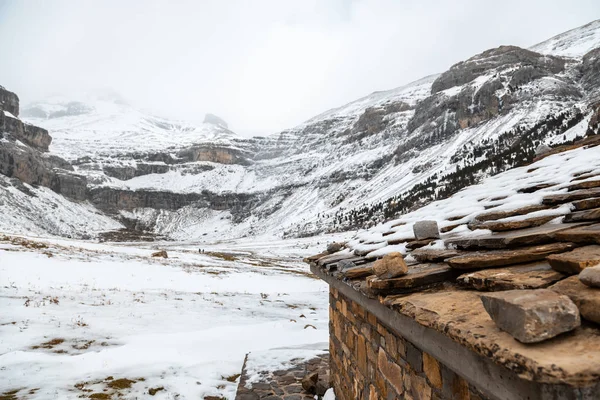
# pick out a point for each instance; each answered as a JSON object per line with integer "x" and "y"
{"x": 89, "y": 320}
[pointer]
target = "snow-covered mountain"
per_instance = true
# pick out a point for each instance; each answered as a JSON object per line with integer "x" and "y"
{"x": 352, "y": 166}
{"x": 574, "y": 43}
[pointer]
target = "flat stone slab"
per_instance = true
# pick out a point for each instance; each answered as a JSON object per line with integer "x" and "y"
{"x": 586, "y": 204}
{"x": 494, "y": 215}
{"x": 586, "y": 298}
{"x": 591, "y": 276}
{"x": 501, "y": 226}
{"x": 358, "y": 272}
{"x": 584, "y": 185}
{"x": 536, "y": 275}
{"x": 499, "y": 258}
{"x": 523, "y": 237}
{"x": 573, "y": 262}
{"x": 535, "y": 188}
{"x": 316, "y": 257}
{"x": 583, "y": 234}
{"x": 434, "y": 255}
{"x": 572, "y": 358}
{"x": 418, "y": 276}
{"x": 334, "y": 258}
{"x": 532, "y": 316}
{"x": 568, "y": 197}
{"x": 585, "y": 215}
{"x": 416, "y": 244}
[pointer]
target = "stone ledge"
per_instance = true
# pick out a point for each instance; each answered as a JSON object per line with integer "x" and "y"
{"x": 492, "y": 379}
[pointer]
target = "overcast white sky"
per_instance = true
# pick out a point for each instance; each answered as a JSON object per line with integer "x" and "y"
{"x": 261, "y": 65}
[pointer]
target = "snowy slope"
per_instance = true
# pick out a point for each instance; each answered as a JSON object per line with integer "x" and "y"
{"x": 574, "y": 43}
{"x": 75, "y": 313}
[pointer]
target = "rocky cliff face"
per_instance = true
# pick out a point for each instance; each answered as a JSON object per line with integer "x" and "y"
{"x": 9, "y": 101}
{"x": 349, "y": 167}
{"x": 22, "y": 154}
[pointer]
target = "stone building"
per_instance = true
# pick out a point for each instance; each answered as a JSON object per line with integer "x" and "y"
{"x": 502, "y": 303}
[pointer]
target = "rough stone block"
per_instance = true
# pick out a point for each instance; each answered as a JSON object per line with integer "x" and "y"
{"x": 586, "y": 298}
{"x": 591, "y": 276}
{"x": 532, "y": 316}
{"x": 390, "y": 266}
{"x": 575, "y": 261}
{"x": 390, "y": 370}
{"x": 431, "y": 366}
{"x": 426, "y": 230}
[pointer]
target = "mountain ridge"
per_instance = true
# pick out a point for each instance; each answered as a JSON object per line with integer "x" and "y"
{"x": 348, "y": 167}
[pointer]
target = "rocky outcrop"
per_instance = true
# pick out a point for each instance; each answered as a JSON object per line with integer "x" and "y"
{"x": 537, "y": 65}
{"x": 9, "y": 101}
{"x": 374, "y": 120}
{"x": 32, "y": 167}
{"x": 590, "y": 69}
{"x": 112, "y": 200}
{"x": 33, "y": 136}
{"x": 487, "y": 86}
{"x": 126, "y": 172}
{"x": 22, "y": 154}
{"x": 216, "y": 154}
{"x": 214, "y": 120}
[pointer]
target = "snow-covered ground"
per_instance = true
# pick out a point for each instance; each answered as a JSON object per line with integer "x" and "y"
{"x": 80, "y": 318}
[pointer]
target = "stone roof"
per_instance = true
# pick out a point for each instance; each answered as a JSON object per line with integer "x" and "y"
{"x": 531, "y": 228}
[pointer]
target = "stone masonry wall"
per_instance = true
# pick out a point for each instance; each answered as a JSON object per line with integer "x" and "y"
{"x": 369, "y": 362}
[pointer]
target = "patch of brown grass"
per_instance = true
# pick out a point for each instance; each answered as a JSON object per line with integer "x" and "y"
{"x": 120, "y": 384}
{"x": 153, "y": 391}
{"x": 101, "y": 396}
{"x": 231, "y": 378}
{"x": 10, "y": 395}
{"x": 222, "y": 256}
{"x": 49, "y": 344}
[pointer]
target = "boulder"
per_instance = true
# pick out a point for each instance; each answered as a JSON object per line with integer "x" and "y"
{"x": 575, "y": 261}
{"x": 587, "y": 299}
{"x": 532, "y": 316}
{"x": 390, "y": 266}
{"x": 591, "y": 276}
{"x": 542, "y": 149}
{"x": 426, "y": 230}
{"x": 162, "y": 253}
{"x": 334, "y": 247}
